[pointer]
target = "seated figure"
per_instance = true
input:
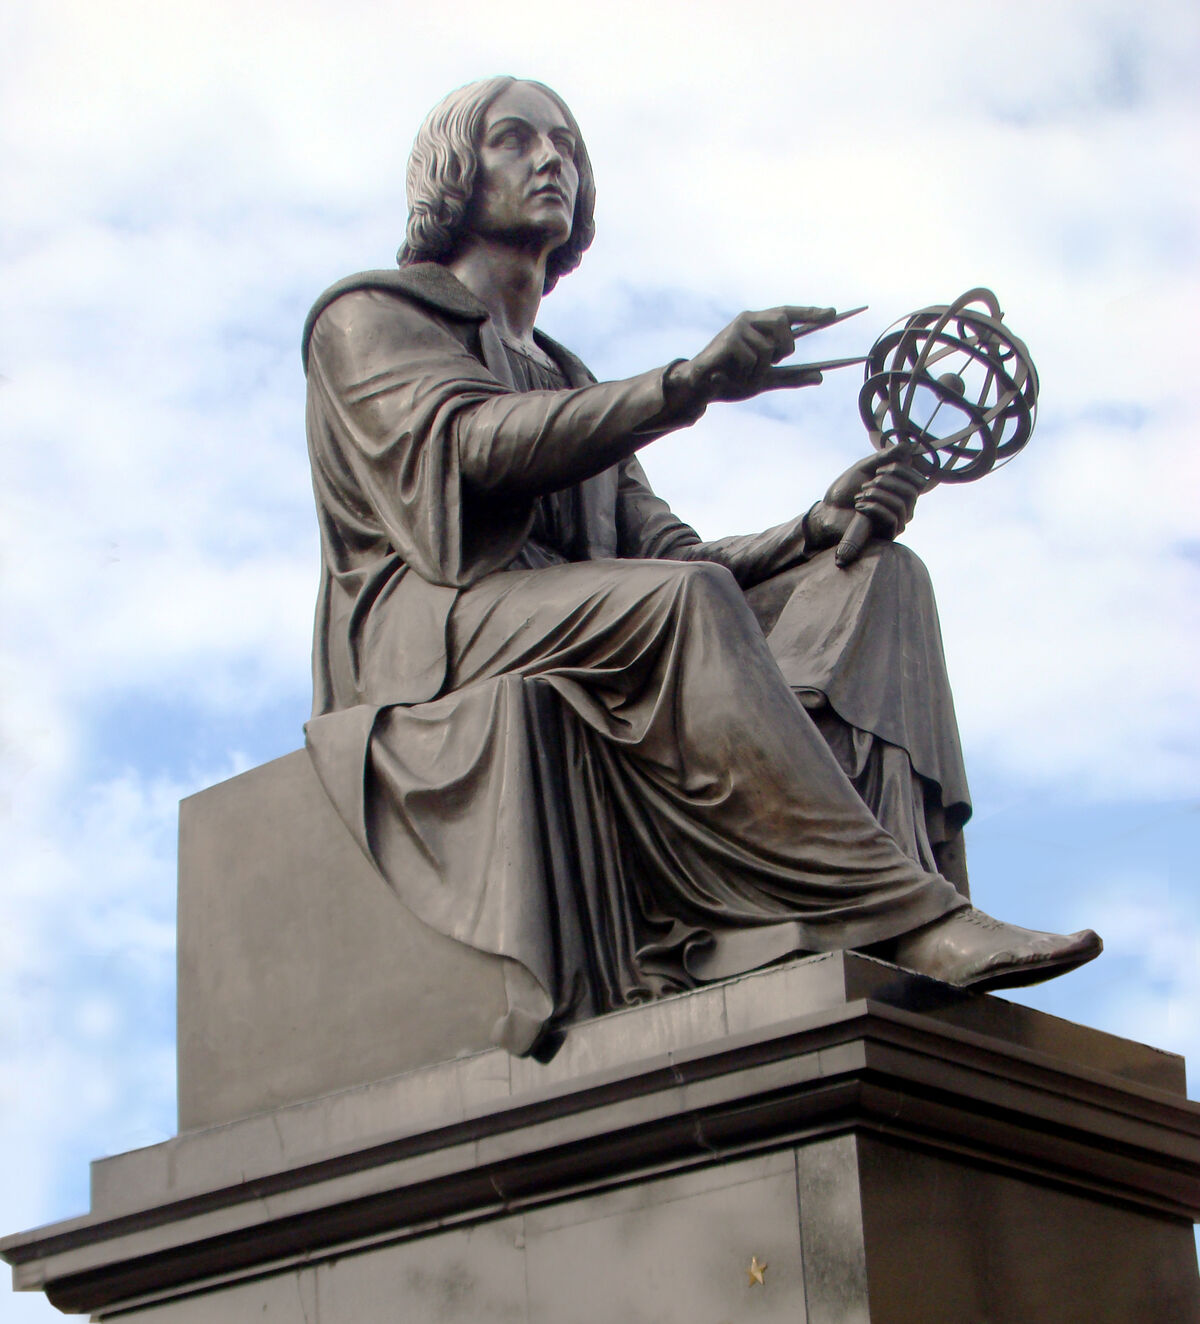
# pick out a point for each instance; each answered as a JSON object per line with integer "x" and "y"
{"x": 567, "y": 730}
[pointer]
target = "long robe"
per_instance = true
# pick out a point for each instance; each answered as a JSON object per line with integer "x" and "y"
{"x": 546, "y": 709}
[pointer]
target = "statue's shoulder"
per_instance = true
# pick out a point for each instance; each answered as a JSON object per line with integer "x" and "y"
{"x": 425, "y": 285}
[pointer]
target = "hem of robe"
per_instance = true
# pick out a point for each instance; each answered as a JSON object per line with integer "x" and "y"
{"x": 737, "y": 951}
{"x": 955, "y": 813}
{"x": 708, "y": 955}
{"x": 817, "y": 650}
{"x": 338, "y": 742}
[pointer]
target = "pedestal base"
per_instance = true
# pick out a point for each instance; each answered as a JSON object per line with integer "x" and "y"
{"x": 880, "y": 1147}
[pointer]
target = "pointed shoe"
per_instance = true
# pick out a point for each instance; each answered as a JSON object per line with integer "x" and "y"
{"x": 972, "y": 950}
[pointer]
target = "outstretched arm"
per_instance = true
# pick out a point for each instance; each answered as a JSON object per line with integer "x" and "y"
{"x": 401, "y": 382}
{"x": 542, "y": 440}
{"x": 408, "y": 395}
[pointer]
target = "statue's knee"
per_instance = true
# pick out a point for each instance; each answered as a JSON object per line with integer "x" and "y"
{"x": 903, "y": 563}
{"x": 706, "y": 576}
{"x": 897, "y": 552}
{"x": 713, "y": 588}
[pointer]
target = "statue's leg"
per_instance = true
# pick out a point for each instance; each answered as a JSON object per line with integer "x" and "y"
{"x": 619, "y": 792}
{"x": 740, "y": 815}
{"x": 861, "y": 648}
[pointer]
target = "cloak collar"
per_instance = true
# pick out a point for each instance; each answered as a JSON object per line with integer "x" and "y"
{"x": 427, "y": 282}
{"x": 436, "y": 286}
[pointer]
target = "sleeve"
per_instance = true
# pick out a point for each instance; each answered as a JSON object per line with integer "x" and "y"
{"x": 447, "y": 458}
{"x": 647, "y": 527}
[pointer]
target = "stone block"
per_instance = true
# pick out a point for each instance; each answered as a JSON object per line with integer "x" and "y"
{"x": 894, "y": 1152}
{"x": 300, "y": 971}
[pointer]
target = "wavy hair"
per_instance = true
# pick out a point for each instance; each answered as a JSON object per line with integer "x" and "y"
{"x": 441, "y": 179}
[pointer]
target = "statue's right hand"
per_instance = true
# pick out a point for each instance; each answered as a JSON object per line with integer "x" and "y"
{"x": 742, "y": 361}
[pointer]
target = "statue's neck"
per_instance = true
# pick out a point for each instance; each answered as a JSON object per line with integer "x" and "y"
{"x": 507, "y": 280}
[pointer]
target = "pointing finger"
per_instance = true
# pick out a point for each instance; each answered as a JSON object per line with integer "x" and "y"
{"x": 801, "y": 316}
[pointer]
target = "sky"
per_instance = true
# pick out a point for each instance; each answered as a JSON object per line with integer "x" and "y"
{"x": 181, "y": 182}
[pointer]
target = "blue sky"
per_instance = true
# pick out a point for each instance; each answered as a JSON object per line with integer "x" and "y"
{"x": 181, "y": 181}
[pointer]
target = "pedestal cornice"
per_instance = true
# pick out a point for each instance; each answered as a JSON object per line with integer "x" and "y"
{"x": 468, "y": 1140}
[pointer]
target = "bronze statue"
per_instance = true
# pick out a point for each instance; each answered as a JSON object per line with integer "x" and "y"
{"x": 566, "y": 730}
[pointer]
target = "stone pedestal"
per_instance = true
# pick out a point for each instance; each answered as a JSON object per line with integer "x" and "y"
{"x": 891, "y": 1150}
{"x": 300, "y": 971}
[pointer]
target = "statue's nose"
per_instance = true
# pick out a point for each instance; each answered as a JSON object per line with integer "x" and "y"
{"x": 549, "y": 158}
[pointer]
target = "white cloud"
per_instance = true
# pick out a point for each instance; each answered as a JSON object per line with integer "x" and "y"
{"x": 86, "y": 980}
{"x": 1146, "y": 986}
{"x": 1159, "y": 932}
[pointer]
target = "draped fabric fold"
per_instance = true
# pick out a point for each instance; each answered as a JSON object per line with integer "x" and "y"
{"x": 546, "y": 708}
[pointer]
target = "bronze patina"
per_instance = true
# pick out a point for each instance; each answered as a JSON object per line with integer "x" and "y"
{"x": 566, "y": 729}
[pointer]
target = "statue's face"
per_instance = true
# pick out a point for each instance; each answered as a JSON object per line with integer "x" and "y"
{"x": 526, "y": 180}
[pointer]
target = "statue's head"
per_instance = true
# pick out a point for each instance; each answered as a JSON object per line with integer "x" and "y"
{"x": 441, "y": 179}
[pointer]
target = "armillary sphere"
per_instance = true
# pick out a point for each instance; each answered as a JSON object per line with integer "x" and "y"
{"x": 954, "y": 388}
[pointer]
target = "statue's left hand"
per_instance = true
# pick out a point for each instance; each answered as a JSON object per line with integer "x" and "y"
{"x": 881, "y": 487}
